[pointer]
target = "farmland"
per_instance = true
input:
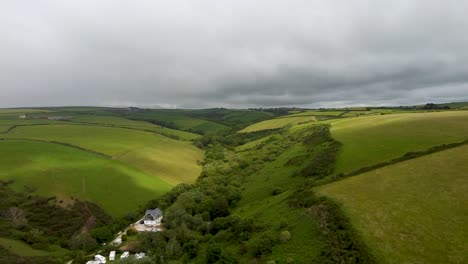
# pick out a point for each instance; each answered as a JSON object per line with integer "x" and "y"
{"x": 57, "y": 170}
{"x": 278, "y": 123}
{"x": 370, "y": 140}
{"x": 408, "y": 213}
{"x": 171, "y": 160}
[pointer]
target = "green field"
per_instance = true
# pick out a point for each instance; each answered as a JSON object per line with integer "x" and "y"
{"x": 317, "y": 113}
{"x": 374, "y": 139}
{"x": 65, "y": 172}
{"x": 20, "y": 111}
{"x": 22, "y": 249}
{"x": 411, "y": 212}
{"x": 133, "y": 124}
{"x": 277, "y": 123}
{"x": 170, "y": 160}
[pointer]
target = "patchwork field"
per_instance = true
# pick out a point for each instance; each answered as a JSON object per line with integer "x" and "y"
{"x": 374, "y": 139}
{"x": 411, "y": 212}
{"x": 57, "y": 170}
{"x": 170, "y": 160}
{"x": 278, "y": 123}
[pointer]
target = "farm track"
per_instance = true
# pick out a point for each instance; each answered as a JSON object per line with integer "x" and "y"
{"x": 63, "y": 144}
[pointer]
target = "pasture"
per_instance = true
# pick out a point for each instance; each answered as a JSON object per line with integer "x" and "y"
{"x": 133, "y": 124}
{"x": 171, "y": 160}
{"x": 369, "y": 140}
{"x": 62, "y": 171}
{"x": 278, "y": 123}
{"x": 413, "y": 211}
{"x": 20, "y": 248}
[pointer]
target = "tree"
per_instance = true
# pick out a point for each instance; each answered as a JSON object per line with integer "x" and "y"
{"x": 15, "y": 216}
{"x": 84, "y": 242}
{"x": 102, "y": 234}
{"x": 173, "y": 248}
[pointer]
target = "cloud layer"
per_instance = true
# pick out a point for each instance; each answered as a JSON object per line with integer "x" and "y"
{"x": 204, "y": 53}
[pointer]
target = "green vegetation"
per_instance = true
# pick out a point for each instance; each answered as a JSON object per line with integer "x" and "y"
{"x": 239, "y": 210}
{"x": 370, "y": 140}
{"x": 22, "y": 249}
{"x": 170, "y": 160}
{"x": 408, "y": 213}
{"x": 277, "y": 123}
{"x": 132, "y": 124}
{"x": 64, "y": 172}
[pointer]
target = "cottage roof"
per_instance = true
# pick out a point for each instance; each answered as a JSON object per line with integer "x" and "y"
{"x": 155, "y": 213}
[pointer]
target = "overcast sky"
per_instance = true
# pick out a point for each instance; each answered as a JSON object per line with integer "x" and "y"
{"x": 236, "y": 53}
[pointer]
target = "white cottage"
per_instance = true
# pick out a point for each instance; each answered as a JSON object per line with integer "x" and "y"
{"x": 153, "y": 217}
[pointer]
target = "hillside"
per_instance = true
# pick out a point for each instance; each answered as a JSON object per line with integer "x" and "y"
{"x": 65, "y": 172}
{"x": 259, "y": 195}
{"x": 367, "y": 141}
{"x": 413, "y": 211}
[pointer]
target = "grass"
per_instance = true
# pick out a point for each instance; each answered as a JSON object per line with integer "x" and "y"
{"x": 20, "y": 248}
{"x": 65, "y": 172}
{"x": 170, "y": 160}
{"x": 180, "y": 119}
{"x": 133, "y": 124}
{"x": 277, "y": 123}
{"x": 317, "y": 113}
{"x": 20, "y": 111}
{"x": 413, "y": 211}
{"x": 374, "y": 139}
{"x": 303, "y": 245}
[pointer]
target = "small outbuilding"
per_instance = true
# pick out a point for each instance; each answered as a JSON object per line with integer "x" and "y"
{"x": 112, "y": 255}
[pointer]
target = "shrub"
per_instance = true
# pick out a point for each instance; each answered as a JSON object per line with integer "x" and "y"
{"x": 284, "y": 236}
{"x": 124, "y": 237}
{"x": 263, "y": 245}
{"x": 131, "y": 232}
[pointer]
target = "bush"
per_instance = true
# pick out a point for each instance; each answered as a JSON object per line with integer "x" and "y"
{"x": 131, "y": 232}
{"x": 284, "y": 236}
{"x": 124, "y": 237}
{"x": 263, "y": 245}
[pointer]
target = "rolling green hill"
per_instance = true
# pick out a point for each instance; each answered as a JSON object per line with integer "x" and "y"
{"x": 369, "y": 140}
{"x": 62, "y": 171}
{"x": 278, "y": 123}
{"x": 170, "y": 160}
{"x": 413, "y": 211}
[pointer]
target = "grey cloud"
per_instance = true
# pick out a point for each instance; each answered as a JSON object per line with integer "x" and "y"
{"x": 232, "y": 54}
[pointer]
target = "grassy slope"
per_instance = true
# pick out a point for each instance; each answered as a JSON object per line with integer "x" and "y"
{"x": 413, "y": 211}
{"x": 62, "y": 171}
{"x": 277, "y": 123}
{"x": 171, "y": 160}
{"x": 257, "y": 200}
{"x": 373, "y": 139}
{"x": 317, "y": 113}
{"x": 140, "y": 125}
{"x": 22, "y": 249}
{"x": 180, "y": 118}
